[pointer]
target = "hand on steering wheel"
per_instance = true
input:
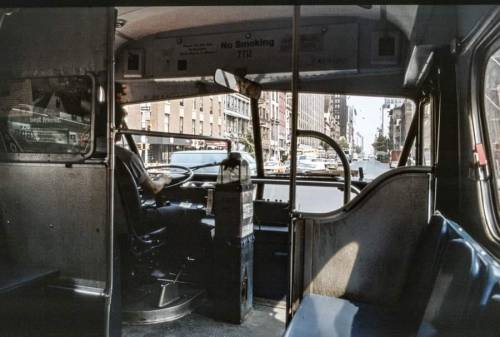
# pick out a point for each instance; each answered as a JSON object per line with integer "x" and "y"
{"x": 177, "y": 173}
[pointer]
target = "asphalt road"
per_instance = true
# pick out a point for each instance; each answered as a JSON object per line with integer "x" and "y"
{"x": 323, "y": 199}
{"x": 372, "y": 168}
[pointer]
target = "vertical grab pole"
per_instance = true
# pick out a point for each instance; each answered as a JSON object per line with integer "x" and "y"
{"x": 293, "y": 159}
{"x": 110, "y": 147}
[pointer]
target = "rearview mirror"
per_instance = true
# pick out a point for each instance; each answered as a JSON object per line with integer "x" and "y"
{"x": 238, "y": 84}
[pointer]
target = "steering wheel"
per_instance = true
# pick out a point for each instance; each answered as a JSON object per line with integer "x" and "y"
{"x": 183, "y": 175}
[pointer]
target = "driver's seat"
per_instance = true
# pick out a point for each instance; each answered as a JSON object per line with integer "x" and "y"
{"x": 144, "y": 234}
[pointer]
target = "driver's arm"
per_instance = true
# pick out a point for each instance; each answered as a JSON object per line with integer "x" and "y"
{"x": 155, "y": 186}
{"x": 142, "y": 177}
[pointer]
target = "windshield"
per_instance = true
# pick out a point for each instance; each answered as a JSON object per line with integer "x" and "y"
{"x": 371, "y": 132}
{"x": 192, "y": 158}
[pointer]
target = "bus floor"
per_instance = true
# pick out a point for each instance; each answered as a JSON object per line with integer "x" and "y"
{"x": 267, "y": 319}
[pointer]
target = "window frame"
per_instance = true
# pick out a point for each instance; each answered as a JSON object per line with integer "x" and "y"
{"x": 491, "y": 194}
{"x": 60, "y": 157}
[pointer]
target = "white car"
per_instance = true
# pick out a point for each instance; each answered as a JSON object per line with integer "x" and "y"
{"x": 311, "y": 166}
{"x": 273, "y": 167}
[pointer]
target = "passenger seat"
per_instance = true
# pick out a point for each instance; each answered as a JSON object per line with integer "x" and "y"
{"x": 451, "y": 292}
{"x": 322, "y": 316}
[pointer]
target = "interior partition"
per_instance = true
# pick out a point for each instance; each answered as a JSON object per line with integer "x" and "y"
{"x": 364, "y": 250}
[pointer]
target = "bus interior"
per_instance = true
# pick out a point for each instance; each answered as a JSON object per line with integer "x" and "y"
{"x": 112, "y": 226}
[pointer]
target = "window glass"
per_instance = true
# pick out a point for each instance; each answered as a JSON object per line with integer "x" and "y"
{"x": 230, "y": 119}
{"x": 46, "y": 115}
{"x": 370, "y": 130}
{"x": 426, "y": 129}
{"x": 492, "y": 109}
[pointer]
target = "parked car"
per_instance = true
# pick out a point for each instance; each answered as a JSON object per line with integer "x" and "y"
{"x": 273, "y": 167}
{"x": 331, "y": 164}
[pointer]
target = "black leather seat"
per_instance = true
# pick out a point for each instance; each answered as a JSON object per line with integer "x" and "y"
{"x": 144, "y": 231}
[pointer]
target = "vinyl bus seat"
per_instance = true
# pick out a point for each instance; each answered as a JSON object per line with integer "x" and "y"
{"x": 322, "y": 316}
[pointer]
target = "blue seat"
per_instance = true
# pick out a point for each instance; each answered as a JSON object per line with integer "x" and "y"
{"x": 453, "y": 290}
{"x": 323, "y": 316}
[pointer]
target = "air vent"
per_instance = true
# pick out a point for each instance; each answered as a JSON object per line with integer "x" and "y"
{"x": 134, "y": 60}
{"x": 385, "y": 48}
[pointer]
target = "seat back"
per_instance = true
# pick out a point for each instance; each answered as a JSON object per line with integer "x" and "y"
{"x": 464, "y": 293}
{"x": 129, "y": 193}
{"x": 425, "y": 267}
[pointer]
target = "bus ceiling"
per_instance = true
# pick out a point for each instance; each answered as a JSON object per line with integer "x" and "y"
{"x": 173, "y": 52}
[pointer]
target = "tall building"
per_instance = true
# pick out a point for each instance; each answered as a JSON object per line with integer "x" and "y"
{"x": 351, "y": 114}
{"x": 340, "y": 113}
{"x": 273, "y": 122}
{"x": 288, "y": 123}
{"x": 311, "y": 117}
{"x": 237, "y": 114}
{"x": 391, "y": 102}
{"x": 282, "y": 123}
{"x": 328, "y": 116}
{"x": 359, "y": 141}
{"x": 400, "y": 117}
{"x": 265, "y": 123}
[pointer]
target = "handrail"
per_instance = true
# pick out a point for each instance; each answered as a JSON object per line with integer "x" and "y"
{"x": 173, "y": 135}
{"x": 341, "y": 154}
{"x": 271, "y": 181}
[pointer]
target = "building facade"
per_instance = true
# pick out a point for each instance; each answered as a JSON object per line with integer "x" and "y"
{"x": 311, "y": 117}
{"x": 400, "y": 117}
{"x": 340, "y": 113}
{"x": 237, "y": 114}
{"x": 197, "y": 116}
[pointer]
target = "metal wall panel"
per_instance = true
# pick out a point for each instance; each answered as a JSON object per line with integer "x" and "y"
{"x": 53, "y": 42}
{"x": 55, "y": 216}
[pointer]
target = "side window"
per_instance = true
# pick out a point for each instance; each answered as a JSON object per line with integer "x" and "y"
{"x": 46, "y": 115}
{"x": 427, "y": 135}
{"x": 492, "y": 110}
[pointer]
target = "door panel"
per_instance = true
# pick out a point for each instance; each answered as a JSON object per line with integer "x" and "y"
{"x": 53, "y": 216}
{"x": 55, "y": 208}
{"x": 54, "y": 42}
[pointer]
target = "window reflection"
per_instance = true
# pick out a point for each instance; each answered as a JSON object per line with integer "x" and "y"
{"x": 46, "y": 115}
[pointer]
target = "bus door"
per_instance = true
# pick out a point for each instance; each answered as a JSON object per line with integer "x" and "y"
{"x": 56, "y": 168}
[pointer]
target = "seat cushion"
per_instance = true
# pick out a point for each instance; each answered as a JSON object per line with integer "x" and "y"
{"x": 322, "y": 316}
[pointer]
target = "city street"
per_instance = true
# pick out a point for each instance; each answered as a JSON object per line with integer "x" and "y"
{"x": 372, "y": 168}
{"x": 324, "y": 199}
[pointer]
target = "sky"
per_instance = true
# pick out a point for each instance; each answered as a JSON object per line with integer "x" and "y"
{"x": 369, "y": 117}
